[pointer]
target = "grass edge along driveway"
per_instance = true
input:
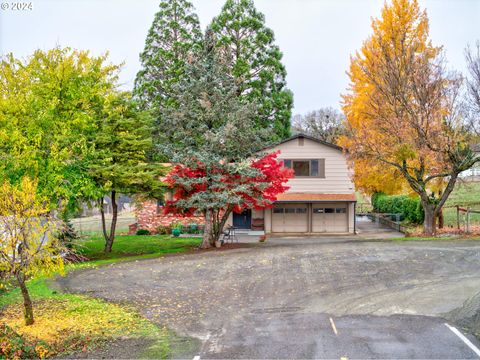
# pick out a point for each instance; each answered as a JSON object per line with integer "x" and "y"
{"x": 65, "y": 323}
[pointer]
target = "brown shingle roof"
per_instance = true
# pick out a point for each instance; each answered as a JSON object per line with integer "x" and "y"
{"x": 308, "y": 197}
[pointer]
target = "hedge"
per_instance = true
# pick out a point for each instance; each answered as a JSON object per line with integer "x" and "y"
{"x": 410, "y": 208}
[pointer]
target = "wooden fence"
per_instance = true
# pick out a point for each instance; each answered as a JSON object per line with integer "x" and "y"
{"x": 466, "y": 211}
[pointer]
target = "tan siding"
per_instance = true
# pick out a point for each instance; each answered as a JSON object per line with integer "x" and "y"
{"x": 268, "y": 221}
{"x": 351, "y": 218}
{"x": 337, "y": 178}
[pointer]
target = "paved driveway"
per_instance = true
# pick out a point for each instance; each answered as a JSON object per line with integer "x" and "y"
{"x": 307, "y": 298}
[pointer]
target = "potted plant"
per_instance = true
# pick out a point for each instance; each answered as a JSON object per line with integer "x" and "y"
{"x": 176, "y": 229}
{"x": 262, "y": 238}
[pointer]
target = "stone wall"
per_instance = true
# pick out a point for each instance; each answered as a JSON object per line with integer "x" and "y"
{"x": 150, "y": 216}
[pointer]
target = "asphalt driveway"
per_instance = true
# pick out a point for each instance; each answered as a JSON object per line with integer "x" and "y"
{"x": 307, "y": 298}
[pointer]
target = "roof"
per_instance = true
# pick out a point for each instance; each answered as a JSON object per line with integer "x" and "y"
{"x": 305, "y": 136}
{"x": 314, "y": 197}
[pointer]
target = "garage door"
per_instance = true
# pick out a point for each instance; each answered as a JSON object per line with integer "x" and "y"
{"x": 290, "y": 218}
{"x": 329, "y": 218}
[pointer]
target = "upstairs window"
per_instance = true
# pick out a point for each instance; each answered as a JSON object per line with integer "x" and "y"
{"x": 306, "y": 168}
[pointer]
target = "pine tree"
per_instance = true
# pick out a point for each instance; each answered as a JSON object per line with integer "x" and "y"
{"x": 256, "y": 63}
{"x": 172, "y": 39}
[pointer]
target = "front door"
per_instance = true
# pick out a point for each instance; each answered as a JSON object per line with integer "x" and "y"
{"x": 243, "y": 220}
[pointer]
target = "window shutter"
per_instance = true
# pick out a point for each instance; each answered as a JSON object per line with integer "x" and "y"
{"x": 321, "y": 168}
{"x": 313, "y": 167}
{"x": 287, "y": 163}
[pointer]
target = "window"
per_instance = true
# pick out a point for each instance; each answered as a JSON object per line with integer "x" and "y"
{"x": 278, "y": 210}
{"x": 301, "y": 168}
{"x": 289, "y": 211}
{"x": 318, "y": 210}
{"x": 340, "y": 210}
{"x": 314, "y": 167}
{"x": 160, "y": 204}
{"x": 329, "y": 210}
{"x": 301, "y": 211}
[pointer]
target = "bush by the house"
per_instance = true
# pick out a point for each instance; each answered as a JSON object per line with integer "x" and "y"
{"x": 410, "y": 208}
{"x": 164, "y": 230}
{"x": 142, "y": 232}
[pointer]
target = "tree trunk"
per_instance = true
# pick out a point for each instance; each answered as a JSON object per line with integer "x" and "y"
{"x": 113, "y": 225}
{"x": 218, "y": 225}
{"x": 430, "y": 219}
{"x": 441, "y": 219}
{"x": 104, "y": 225}
{"x": 27, "y": 302}
{"x": 207, "y": 232}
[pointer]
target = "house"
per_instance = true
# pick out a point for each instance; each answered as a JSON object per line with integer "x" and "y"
{"x": 474, "y": 172}
{"x": 321, "y": 198}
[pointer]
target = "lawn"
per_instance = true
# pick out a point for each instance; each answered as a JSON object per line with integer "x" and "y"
{"x": 131, "y": 247}
{"x": 465, "y": 194}
{"x": 68, "y": 322}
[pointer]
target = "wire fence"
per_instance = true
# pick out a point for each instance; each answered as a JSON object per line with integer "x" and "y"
{"x": 92, "y": 225}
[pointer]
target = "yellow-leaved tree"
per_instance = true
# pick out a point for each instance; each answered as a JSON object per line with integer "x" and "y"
{"x": 402, "y": 115}
{"x": 28, "y": 245}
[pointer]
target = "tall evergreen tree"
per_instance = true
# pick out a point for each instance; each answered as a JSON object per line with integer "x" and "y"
{"x": 172, "y": 39}
{"x": 256, "y": 63}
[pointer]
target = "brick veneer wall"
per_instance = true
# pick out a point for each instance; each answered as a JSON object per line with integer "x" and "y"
{"x": 148, "y": 218}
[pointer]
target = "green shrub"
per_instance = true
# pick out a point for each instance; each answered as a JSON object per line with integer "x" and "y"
{"x": 142, "y": 232}
{"x": 192, "y": 228}
{"x": 164, "y": 230}
{"x": 408, "y": 207}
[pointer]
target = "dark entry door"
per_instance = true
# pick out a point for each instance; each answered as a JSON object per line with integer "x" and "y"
{"x": 243, "y": 220}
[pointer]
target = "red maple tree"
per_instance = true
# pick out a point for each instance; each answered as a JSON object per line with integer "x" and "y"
{"x": 234, "y": 191}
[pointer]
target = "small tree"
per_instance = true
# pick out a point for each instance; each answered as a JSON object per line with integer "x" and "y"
{"x": 28, "y": 245}
{"x": 325, "y": 124}
{"x": 48, "y": 107}
{"x": 218, "y": 190}
{"x": 473, "y": 87}
{"x": 119, "y": 163}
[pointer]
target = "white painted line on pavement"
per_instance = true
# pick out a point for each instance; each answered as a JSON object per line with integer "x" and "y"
{"x": 464, "y": 339}
{"x": 196, "y": 357}
{"x": 333, "y": 326}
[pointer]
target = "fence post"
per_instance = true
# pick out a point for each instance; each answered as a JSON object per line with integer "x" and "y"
{"x": 468, "y": 220}
{"x": 458, "y": 217}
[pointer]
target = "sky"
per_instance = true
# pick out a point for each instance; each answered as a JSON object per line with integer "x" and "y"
{"x": 316, "y": 37}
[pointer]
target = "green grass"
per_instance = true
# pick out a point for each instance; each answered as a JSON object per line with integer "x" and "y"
{"x": 465, "y": 194}
{"x": 125, "y": 248}
{"x": 133, "y": 247}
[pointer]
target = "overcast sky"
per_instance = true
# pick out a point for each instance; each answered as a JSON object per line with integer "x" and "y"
{"x": 316, "y": 36}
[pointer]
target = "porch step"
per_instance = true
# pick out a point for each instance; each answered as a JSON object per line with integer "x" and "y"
{"x": 250, "y": 232}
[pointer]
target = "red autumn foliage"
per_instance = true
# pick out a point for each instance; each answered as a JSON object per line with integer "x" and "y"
{"x": 264, "y": 187}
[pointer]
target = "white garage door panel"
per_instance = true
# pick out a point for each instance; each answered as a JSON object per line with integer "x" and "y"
{"x": 290, "y": 218}
{"x": 329, "y": 218}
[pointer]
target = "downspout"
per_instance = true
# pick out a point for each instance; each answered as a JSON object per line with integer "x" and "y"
{"x": 355, "y": 217}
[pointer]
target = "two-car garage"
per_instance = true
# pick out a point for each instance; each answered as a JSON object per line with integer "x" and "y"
{"x": 310, "y": 218}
